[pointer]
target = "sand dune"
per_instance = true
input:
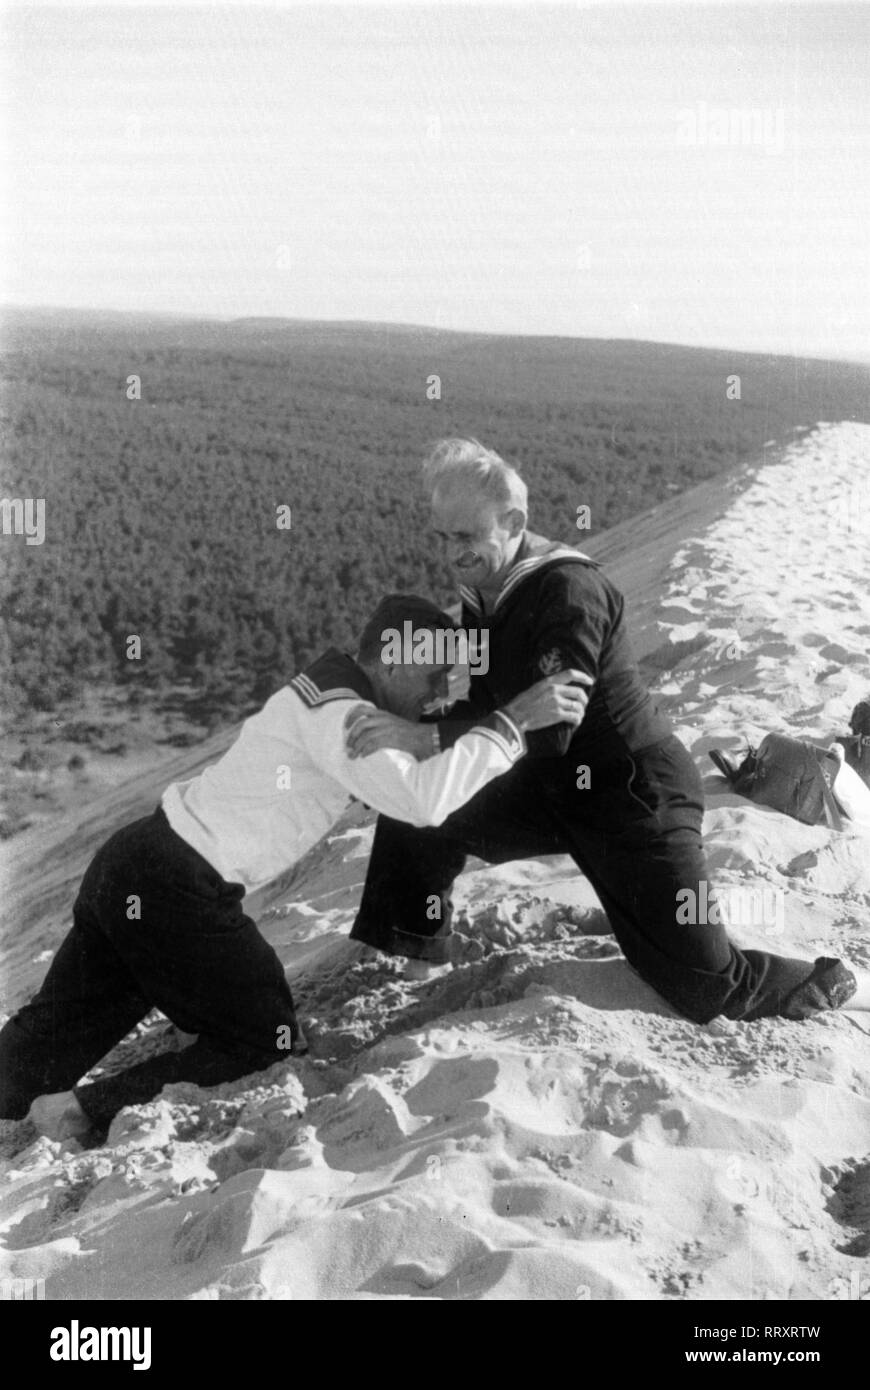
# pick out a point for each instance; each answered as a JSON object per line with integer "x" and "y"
{"x": 537, "y": 1123}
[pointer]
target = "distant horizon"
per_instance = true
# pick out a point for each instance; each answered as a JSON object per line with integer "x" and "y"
{"x": 191, "y": 317}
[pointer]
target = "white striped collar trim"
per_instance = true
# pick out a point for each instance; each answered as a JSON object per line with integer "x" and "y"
{"x": 521, "y": 572}
{"x": 313, "y": 695}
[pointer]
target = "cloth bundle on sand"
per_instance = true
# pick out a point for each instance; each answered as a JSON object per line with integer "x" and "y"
{"x": 808, "y": 781}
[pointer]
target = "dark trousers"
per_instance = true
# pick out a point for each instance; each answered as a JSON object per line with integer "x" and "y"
{"x": 191, "y": 952}
{"x": 635, "y": 833}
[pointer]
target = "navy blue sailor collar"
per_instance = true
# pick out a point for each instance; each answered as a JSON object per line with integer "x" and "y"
{"x": 535, "y": 553}
{"x": 333, "y": 676}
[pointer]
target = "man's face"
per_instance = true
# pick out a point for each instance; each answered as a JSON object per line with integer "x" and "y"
{"x": 479, "y": 538}
{"x": 412, "y": 689}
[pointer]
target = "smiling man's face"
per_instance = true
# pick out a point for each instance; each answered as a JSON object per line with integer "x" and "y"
{"x": 479, "y": 539}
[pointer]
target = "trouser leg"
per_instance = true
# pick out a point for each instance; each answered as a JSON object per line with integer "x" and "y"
{"x": 402, "y": 909}
{"x": 406, "y": 906}
{"x": 159, "y": 919}
{"x": 200, "y": 960}
{"x": 643, "y": 852}
{"x": 229, "y": 987}
{"x": 208, "y": 1062}
{"x": 88, "y": 1002}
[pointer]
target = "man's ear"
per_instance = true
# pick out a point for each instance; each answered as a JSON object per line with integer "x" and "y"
{"x": 516, "y": 520}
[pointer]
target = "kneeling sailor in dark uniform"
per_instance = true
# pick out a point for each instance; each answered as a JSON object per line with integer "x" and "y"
{"x": 619, "y": 792}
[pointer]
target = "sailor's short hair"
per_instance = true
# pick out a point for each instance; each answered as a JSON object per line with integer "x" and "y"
{"x": 465, "y": 465}
{"x": 393, "y": 611}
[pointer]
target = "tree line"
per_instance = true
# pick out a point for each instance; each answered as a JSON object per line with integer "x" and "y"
{"x": 164, "y": 450}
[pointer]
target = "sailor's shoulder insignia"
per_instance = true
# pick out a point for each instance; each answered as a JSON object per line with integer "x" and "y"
{"x": 551, "y": 662}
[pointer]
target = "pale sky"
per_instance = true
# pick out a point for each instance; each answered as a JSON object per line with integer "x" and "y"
{"x": 697, "y": 174}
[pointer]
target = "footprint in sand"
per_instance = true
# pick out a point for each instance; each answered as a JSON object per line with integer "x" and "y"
{"x": 619, "y": 1097}
{"x": 847, "y": 1187}
{"x": 834, "y": 652}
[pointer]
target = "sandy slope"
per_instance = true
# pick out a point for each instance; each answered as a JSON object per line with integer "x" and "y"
{"x": 538, "y": 1123}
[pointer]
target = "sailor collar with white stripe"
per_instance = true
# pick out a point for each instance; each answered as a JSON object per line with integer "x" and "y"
{"x": 531, "y": 557}
{"x": 333, "y": 676}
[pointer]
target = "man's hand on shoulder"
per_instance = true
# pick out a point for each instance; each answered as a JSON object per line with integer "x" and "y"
{"x": 367, "y": 730}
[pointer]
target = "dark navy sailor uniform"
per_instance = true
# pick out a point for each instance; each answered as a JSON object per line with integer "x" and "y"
{"x": 620, "y": 794}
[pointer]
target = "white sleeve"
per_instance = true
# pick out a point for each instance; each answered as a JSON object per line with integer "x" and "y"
{"x": 394, "y": 783}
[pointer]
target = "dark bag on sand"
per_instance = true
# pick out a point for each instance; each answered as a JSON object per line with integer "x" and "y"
{"x": 788, "y": 774}
{"x": 857, "y": 744}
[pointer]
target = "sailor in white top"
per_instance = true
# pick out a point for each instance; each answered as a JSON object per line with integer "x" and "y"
{"x": 159, "y": 921}
{"x": 288, "y": 776}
